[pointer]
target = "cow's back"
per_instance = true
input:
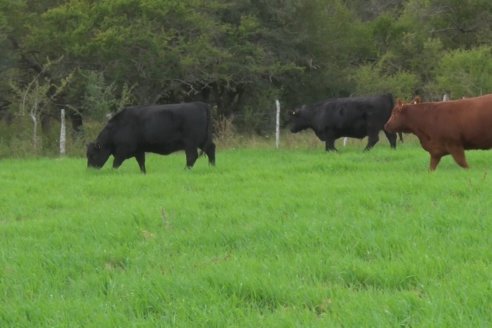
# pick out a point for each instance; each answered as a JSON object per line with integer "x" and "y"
{"x": 175, "y": 122}
{"x": 468, "y": 120}
{"x": 379, "y": 108}
{"x": 345, "y": 112}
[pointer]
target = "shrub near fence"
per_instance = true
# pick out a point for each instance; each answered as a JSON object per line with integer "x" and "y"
{"x": 16, "y": 138}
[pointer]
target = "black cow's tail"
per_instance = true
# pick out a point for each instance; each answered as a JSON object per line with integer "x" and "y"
{"x": 208, "y": 138}
{"x": 392, "y": 104}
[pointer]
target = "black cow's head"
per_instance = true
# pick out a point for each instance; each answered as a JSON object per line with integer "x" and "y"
{"x": 300, "y": 119}
{"x": 97, "y": 155}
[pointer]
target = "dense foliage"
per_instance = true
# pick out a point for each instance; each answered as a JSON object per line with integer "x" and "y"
{"x": 94, "y": 57}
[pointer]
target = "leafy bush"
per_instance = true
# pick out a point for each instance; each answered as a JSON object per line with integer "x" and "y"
{"x": 369, "y": 80}
{"x": 466, "y": 73}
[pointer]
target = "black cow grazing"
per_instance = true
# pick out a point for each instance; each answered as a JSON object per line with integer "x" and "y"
{"x": 355, "y": 117}
{"x": 160, "y": 129}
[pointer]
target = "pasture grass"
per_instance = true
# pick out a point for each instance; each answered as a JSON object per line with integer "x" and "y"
{"x": 268, "y": 238}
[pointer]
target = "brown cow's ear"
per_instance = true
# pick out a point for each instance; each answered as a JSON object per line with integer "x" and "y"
{"x": 399, "y": 105}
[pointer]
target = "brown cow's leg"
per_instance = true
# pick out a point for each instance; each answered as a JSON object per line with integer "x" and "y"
{"x": 435, "y": 159}
{"x": 459, "y": 157}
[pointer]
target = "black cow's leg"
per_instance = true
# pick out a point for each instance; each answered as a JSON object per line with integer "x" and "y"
{"x": 191, "y": 156}
{"x": 140, "y": 157}
{"x": 210, "y": 151}
{"x": 391, "y": 138}
{"x": 373, "y": 139}
{"x": 330, "y": 145}
{"x": 117, "y": 161}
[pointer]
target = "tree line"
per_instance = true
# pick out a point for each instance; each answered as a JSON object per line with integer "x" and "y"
{"x": 95, "y": 57}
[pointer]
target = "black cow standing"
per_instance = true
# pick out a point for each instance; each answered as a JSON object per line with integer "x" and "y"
{"x": 160, "y": 129}
{"x": 355, "y": 117}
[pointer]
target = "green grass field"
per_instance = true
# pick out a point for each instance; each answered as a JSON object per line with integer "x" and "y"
{"x": 268, "y": 238}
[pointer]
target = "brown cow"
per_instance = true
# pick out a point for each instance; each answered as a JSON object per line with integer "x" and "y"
{"x": 447, "y": 127}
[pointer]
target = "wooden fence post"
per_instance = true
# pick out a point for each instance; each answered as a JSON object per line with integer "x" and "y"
{"x": 63, "y": 137}
{"x": 277, "y": 125}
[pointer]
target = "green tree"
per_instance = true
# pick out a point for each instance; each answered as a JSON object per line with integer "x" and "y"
{"x": 465, "y": 73}
{"x": 237, "y": 54}
{"x": 457, "y": 23}
{"x": 27, "y": 70}
{"x": 170, "y": 51}
{"x": 370, "y": 80}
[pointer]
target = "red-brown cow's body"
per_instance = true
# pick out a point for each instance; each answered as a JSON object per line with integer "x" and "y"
{"x": 448, "y": 127}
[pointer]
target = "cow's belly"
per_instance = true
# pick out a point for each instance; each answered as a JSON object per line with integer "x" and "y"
{"x": 477, "y": 138}
{"x": 356, "y": 134}
{"x": 353, "y": 133}
{"x": 355, "y": 129}
{"x": 164, "y": 148}
{"x": 478, "y": 144}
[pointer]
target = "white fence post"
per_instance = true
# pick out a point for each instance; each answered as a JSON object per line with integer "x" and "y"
{"x": 62, "y": 133}
{"x": 445, "y": 97}
{"x": 277, "y": 125}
